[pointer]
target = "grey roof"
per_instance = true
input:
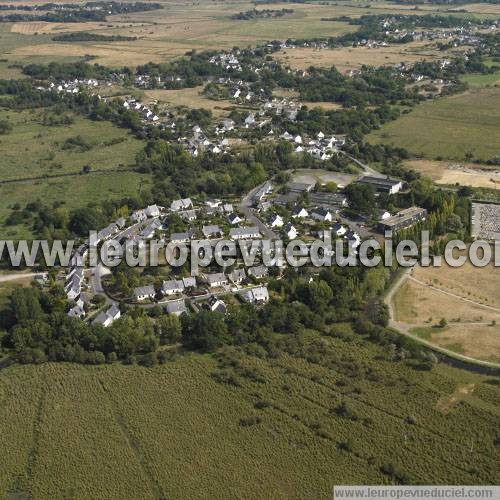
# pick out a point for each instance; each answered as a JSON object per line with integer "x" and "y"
{"x": 211, "y": 230}
{"x": 244, "y": 231}
{"x": 216, "y": 278}
{"x": 189, "y": 281}
{"x": 173, "y": 285}
{"x": 258, "y": 271}
{"x": 180, "y": 236}
{"x": 176, "y": 307}
{"x": 144, "y": 290}
{"x": 237, "y": 274}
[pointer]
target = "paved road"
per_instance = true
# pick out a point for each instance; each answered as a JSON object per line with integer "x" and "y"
{"x": 246, "y": 207}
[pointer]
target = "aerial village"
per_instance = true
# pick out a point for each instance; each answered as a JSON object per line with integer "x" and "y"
{"x": 294, "y": 210}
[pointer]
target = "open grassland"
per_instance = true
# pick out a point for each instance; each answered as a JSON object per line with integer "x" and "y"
{"x": 350, "y": 58}
{"x": 73, "y": 192}
{"x": 33, "y": 149}
{"x": 176, "y": 431}
{"x": 465, "y": 174}
{"x": 468, "y": 298}
{"x": 479, "y": 80}
{"x": 448, "y": 127}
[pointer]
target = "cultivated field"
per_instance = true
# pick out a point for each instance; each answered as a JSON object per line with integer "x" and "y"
{"x": 174, "y": 431}
{"x": 448, "y": 127}
{"x": 350, "y": 58}
{"x": 465, "y": 174}
{"x": 183, "y": 26}
{"x": 468, "y": 298}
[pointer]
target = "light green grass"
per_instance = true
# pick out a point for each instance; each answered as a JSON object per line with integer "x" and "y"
{"x": 174, "y": 431}
{"x": 448, "y": 127}
{"x": 32, "y": 149}
{"x": 478, "y": 80}
{"x": 426, "y": 332}
{"x": 73, "y": 192}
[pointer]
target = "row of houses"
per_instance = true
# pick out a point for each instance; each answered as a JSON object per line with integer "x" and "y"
{"x": 146, "y": 114}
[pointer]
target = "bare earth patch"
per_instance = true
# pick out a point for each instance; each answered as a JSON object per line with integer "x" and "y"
{"x": 447, "y": 403}
{"x": 465, "y": 174}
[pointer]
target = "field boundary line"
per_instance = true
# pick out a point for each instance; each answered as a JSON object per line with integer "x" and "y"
{"x": 403, "y": 330}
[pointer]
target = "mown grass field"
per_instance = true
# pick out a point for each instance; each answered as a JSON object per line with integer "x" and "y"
{"x": 468, "y": 298}
{"x": 33, "y": 149}
{"x": 175, "y": 431}
{"x": 448, "y": 127}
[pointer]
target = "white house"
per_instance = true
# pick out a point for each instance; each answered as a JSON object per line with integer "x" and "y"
{"x": 213, "y": 231}
{"x": 243, "y": 233}
{"x": 216, "y": 305}
{"x": 153, "y": 211}
{"x": 290, "y": 231}
{"x": 171, "y": 287}
{"x": 139, "y": 216}
{"x": 176, "y": 307}
{"x": 258, "y": 272}
{"x": 322, "y": 214}
{"x": 276, "y": 221}
{"x": 106, "y": 318}
{"x": 300, "y": 213}
{"x": 237, "y": 275}
{"x": 257, "y": 295}
{"x": 338, "y": 229}
{"x": 144, "y": 292}
{"x": 180, "y": 237}
{"x": 234, "y": 219}
{"x": 182, "y": 204}
{"x": 216, "y": 279}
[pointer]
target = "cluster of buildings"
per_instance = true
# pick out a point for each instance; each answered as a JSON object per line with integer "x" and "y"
{"x": 146, "y": 114}
{"x": 321, "y": 147}
{"x": 71, "y": 86}
{"x": 199, "y": 142}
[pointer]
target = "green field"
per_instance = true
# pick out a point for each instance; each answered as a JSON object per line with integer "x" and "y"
{"x": 448, "y": 127}
{"x": 33, "y": 149}
{"x": 479, "y": 80}
{"x": 175, "y": 431}
{"x": 73, "y": 192}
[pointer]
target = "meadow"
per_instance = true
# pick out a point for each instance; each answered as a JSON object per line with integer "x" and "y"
{"x": 468, "y": 298}
{"x": 35, "y": 149}
{"x": 188, "y": 428}
{"x": 71, "y": 192}
{"x": 449, "y": 127}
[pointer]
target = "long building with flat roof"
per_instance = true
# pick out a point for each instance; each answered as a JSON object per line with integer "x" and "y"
{"x": 382, "y": 184}
{"x": 403, "y": 219}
